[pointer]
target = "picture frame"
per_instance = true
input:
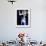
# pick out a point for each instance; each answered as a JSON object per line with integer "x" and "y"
{"x": 21, "y": 15}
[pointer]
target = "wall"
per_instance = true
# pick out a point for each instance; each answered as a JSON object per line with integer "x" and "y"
{"x": 8, "y": 28}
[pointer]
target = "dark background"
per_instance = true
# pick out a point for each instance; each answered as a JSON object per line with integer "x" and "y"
{"x": 19, "y": 17}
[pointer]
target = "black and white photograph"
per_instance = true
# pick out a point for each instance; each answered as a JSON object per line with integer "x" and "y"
{"x": 23, "y": 17}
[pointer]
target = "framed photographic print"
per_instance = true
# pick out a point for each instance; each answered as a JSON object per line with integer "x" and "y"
{"x": 23, "y": 17}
